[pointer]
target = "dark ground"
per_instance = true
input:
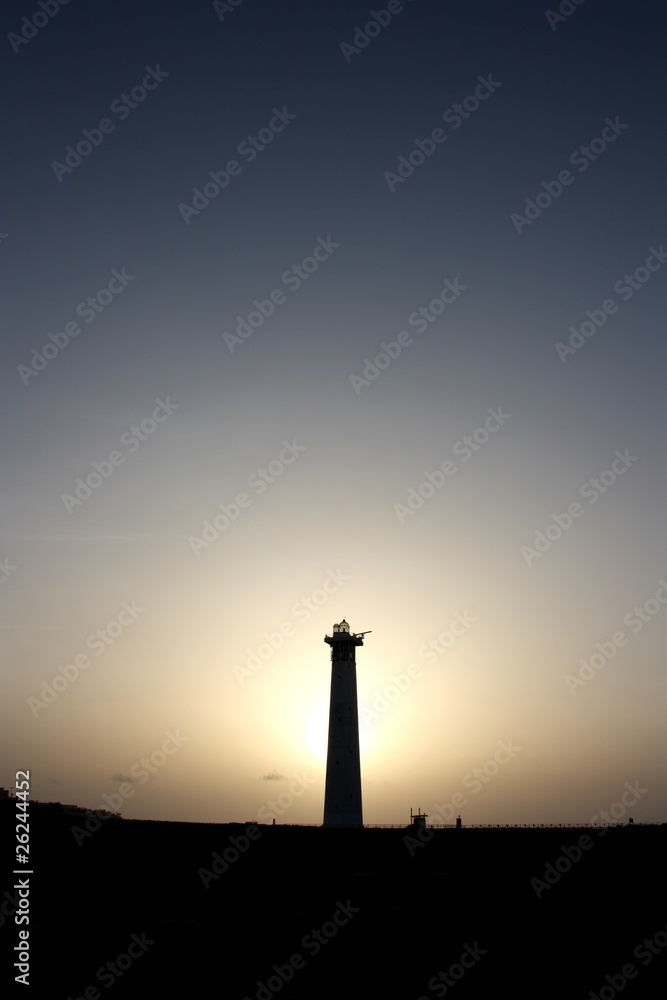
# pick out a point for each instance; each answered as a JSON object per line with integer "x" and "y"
{"x": 405, "y": 911}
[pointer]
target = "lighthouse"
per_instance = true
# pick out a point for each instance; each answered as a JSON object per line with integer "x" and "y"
{"x": 342, "y": 794}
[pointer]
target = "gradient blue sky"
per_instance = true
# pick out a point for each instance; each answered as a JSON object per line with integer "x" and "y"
{"x": 335, "y": 508}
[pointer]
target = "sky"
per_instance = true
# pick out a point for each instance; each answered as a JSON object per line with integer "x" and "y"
{"x": 329, "y": 310}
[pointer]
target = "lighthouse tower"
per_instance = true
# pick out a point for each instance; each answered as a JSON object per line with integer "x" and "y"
{"x": 342, "y": 795}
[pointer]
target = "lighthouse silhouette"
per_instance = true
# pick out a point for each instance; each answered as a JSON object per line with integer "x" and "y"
{"x": 342, "y": 794}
